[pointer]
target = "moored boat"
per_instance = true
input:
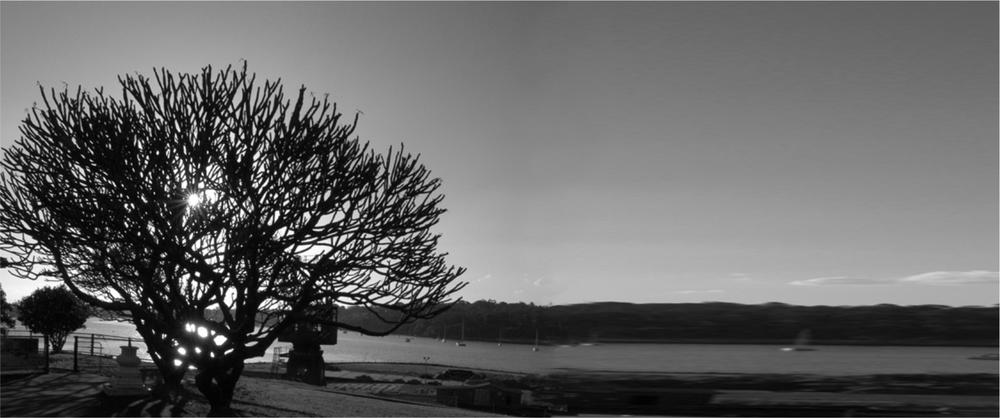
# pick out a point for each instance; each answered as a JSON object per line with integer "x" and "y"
{"x": 801, "y": 342}
{"x": 461, "y": 342}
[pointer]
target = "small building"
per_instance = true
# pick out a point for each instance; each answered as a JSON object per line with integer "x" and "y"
{"x": 22, "y": 345}
{"x": 305, "y": 360}
{"x": 636, "y": 401}
{"x": 488, "y": 397}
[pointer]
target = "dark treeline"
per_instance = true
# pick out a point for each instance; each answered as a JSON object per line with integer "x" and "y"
{"x": 712, "y": 322}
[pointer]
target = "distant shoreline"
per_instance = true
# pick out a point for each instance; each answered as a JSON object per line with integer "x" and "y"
{"x": 888, "y": 343}
{"x": 774, "y": 342}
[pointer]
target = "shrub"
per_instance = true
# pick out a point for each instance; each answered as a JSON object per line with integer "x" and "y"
{"x": 53, "y": 312}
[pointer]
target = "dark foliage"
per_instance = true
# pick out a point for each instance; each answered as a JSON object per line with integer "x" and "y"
{"x": 54, "y": 312}
{"x": 6, "y": 310}
{"x": 773, "y": 323}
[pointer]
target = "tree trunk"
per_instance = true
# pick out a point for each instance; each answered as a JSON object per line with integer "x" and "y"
{"x": 163, "y": 354}
{"x": 57, "y": 339}
{"x": 217, "y": 385}
{"x": 171, "y": 382}
{"x": 171, "y": 374}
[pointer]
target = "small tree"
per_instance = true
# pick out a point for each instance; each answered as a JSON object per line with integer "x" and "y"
{"x": 6, "y": 310}
{"x": 211, "y": 192}
{"x": 53, "y": 312}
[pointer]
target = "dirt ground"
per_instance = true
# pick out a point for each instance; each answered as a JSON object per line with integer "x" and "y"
{"x": 395, "y": 389}
{"x": 254, "y": 396}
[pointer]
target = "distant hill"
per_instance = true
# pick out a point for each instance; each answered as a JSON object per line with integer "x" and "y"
{"x": 107, "y": 315}
{"x": 711, "y": 322}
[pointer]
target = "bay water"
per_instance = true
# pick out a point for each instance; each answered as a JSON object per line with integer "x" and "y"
{"x": 634, "y": 358}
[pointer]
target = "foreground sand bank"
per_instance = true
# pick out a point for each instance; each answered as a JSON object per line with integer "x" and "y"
{"x": 405, "y": 389}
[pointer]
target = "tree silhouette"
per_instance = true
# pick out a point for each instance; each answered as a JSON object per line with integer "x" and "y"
{"x": 54, "y": 312}
{"x": 6, "y": 310}
{"x": 213, "y": 192}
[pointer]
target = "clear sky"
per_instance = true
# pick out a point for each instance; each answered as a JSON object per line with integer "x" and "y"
{"x": 807, "y": 153}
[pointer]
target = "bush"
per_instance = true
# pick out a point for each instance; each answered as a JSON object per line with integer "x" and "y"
{"x": 457, "y": 374}
{"x": 53, "y": 312}
{"x": 6, "y": 310}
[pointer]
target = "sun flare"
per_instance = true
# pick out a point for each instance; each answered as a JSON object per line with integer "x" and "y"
{"x": 193, "y": 200}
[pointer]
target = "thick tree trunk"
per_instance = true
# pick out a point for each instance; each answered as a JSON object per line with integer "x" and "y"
{"x": 218, "y": 384}
{"x": 57, "y": 339}
{"x": 171, "y": 374}
{"x": 171, "y": 381}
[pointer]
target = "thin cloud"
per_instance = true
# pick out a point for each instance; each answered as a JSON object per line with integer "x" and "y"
{"x": 692, "y": 292}
{"x": 539, "y": 289}
{"x": 936, "y": 278}
{"x": 740, "y": 277}
{"x": 836, "y": 281}
{"x": 952, "y": 277}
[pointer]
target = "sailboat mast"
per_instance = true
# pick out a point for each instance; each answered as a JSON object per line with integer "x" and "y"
{"x": 461, "y": 342}
{"x": 802, "y": 340}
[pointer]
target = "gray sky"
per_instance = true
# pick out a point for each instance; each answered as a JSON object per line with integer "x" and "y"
{"x": 808, "y": 153}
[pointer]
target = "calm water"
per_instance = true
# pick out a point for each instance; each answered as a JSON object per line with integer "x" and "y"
{"x": 719, "y": 358}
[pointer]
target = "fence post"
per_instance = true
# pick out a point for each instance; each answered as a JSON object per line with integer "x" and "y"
{"x": 46, "y": 338}
{"x": 76, "y": 352}
{"x": 91, "y": 344}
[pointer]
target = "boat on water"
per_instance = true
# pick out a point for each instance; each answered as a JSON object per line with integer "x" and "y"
{"x": 987, "y": 356}
{"x": 461, "y": 342}
{"x": 801, "y": 342}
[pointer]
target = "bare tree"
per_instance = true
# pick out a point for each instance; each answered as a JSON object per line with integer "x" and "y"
{"x": 198, "y": 192}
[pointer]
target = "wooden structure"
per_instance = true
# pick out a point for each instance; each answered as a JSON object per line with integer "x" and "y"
{"x": 488, "y": 397}
{"x": 305, "y": 360}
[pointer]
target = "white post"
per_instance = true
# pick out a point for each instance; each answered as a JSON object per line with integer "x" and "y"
{"x": 128, "y": 381}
